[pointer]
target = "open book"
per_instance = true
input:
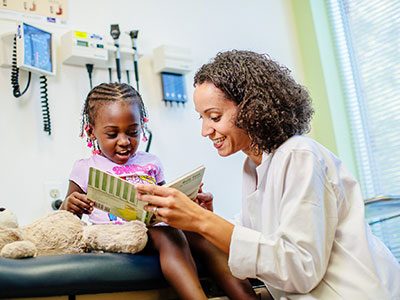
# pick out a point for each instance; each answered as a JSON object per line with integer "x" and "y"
{"x": 118, "y": 196}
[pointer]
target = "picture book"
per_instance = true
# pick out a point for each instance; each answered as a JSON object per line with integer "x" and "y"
{"x": 118, "y": 196}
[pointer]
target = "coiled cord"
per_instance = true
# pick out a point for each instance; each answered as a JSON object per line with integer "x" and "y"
{"x": 45, "y": 104}
{"x": 150, "y": 138}
{"x": 15, "y": 73}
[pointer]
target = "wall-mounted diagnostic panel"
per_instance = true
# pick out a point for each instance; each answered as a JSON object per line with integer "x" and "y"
{"x": 174, "y": 87}
{"x": 172, "y": 63}
{"x": 35, "y": 49}
{"x": 81, "y": 48}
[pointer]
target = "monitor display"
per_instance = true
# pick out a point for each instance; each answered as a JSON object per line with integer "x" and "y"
{"x": 35, "y": 46}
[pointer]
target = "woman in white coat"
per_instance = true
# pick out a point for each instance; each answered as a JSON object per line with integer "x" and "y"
{"x": 302, "y": 229}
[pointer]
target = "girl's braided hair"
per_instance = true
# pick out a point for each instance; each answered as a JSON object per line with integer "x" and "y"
{"x": 106, "y": 92}
{"x": 272, "y": 107}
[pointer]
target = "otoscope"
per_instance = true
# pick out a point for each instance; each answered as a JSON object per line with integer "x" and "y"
{"x": 134, "y": 34}
{"x": 115, "y": 35}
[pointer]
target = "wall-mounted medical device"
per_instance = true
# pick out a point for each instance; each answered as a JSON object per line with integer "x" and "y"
{"x": 172, "y": 59}
{"x": 172, "y": 63}
{"x": 33, "y": 51}
{"x": 133, "y": 34}
{"x": 80, "y": 48}
{"x": 94, "y": 50}
{"x": 115, "y": 33}
{"x": 174, "y": 87}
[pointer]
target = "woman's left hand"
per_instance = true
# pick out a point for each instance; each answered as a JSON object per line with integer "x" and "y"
{"x": 172, "y": 207}
{"x": 205, "y": 200}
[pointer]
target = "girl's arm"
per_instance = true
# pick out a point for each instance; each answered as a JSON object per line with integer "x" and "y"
{"x": 76, "y": 201}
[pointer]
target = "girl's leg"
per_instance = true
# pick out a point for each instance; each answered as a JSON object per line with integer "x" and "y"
{"x": 216, "y": 263}
{"x": 176, "y": 261}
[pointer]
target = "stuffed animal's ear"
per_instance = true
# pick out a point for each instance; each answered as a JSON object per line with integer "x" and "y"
{"x": 8, "y": 218}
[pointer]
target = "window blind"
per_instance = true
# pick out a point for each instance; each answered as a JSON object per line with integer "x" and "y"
{"x": 367, "y": 37}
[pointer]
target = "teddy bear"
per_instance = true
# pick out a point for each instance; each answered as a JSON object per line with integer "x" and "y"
{"x": 62, "y": 232}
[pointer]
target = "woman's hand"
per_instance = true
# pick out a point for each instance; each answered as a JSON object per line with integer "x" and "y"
{"x": 205, "y": 200}
{"x": 172, "y": 207}
{"x": 176, "y": 209}
{"x": 77, "y": 203}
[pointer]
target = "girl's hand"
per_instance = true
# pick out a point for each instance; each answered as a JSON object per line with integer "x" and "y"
{"x": 205, "y": 200}
{"x": 78, "y": 203}
{"x": 172, "y": 207}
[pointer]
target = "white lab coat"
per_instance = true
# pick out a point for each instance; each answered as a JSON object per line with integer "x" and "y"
{"x": 303, "y": 231}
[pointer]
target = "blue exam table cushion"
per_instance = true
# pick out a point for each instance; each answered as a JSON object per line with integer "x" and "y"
{"x": 76, "y": 274}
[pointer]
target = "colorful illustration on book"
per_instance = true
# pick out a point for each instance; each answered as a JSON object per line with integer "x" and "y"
{"x": 140, "y": 178}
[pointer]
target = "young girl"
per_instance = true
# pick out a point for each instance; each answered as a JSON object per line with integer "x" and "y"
{"x": 113, "y": 121}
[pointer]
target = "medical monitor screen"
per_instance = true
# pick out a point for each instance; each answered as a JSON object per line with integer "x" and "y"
{"x": 37, "y": 49}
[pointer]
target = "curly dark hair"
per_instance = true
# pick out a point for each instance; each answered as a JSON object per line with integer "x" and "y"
{"x": 272, "y": 106}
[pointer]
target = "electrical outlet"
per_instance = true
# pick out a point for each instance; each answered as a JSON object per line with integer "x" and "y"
{"x": 53, "y": 190}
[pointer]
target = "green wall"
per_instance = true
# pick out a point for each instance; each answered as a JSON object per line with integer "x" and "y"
{"x": 330, "y": 125}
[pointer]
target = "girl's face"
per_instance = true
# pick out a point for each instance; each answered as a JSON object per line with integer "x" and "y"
{"x": 117, "y": 128}
{"x": 218, "y": 115}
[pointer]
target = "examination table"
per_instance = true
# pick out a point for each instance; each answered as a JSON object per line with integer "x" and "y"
{"x": 87, "y": 276}
{"x": 83, "y": 274}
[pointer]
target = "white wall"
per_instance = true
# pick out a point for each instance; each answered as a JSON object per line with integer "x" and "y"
{"x": 29, "y": 158}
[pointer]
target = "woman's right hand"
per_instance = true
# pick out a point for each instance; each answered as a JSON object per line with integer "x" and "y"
{"x": 176, "y": 209}
{"x": 77, "y": 203}
{"x": 172, "y": 206}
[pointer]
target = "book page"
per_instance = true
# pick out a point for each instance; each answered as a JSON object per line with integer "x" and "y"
{"x": 189, "y": 183}
{"x": 117, "y": 196}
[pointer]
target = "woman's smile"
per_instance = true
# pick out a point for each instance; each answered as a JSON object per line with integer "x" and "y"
{"x": 218, "y": 142}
